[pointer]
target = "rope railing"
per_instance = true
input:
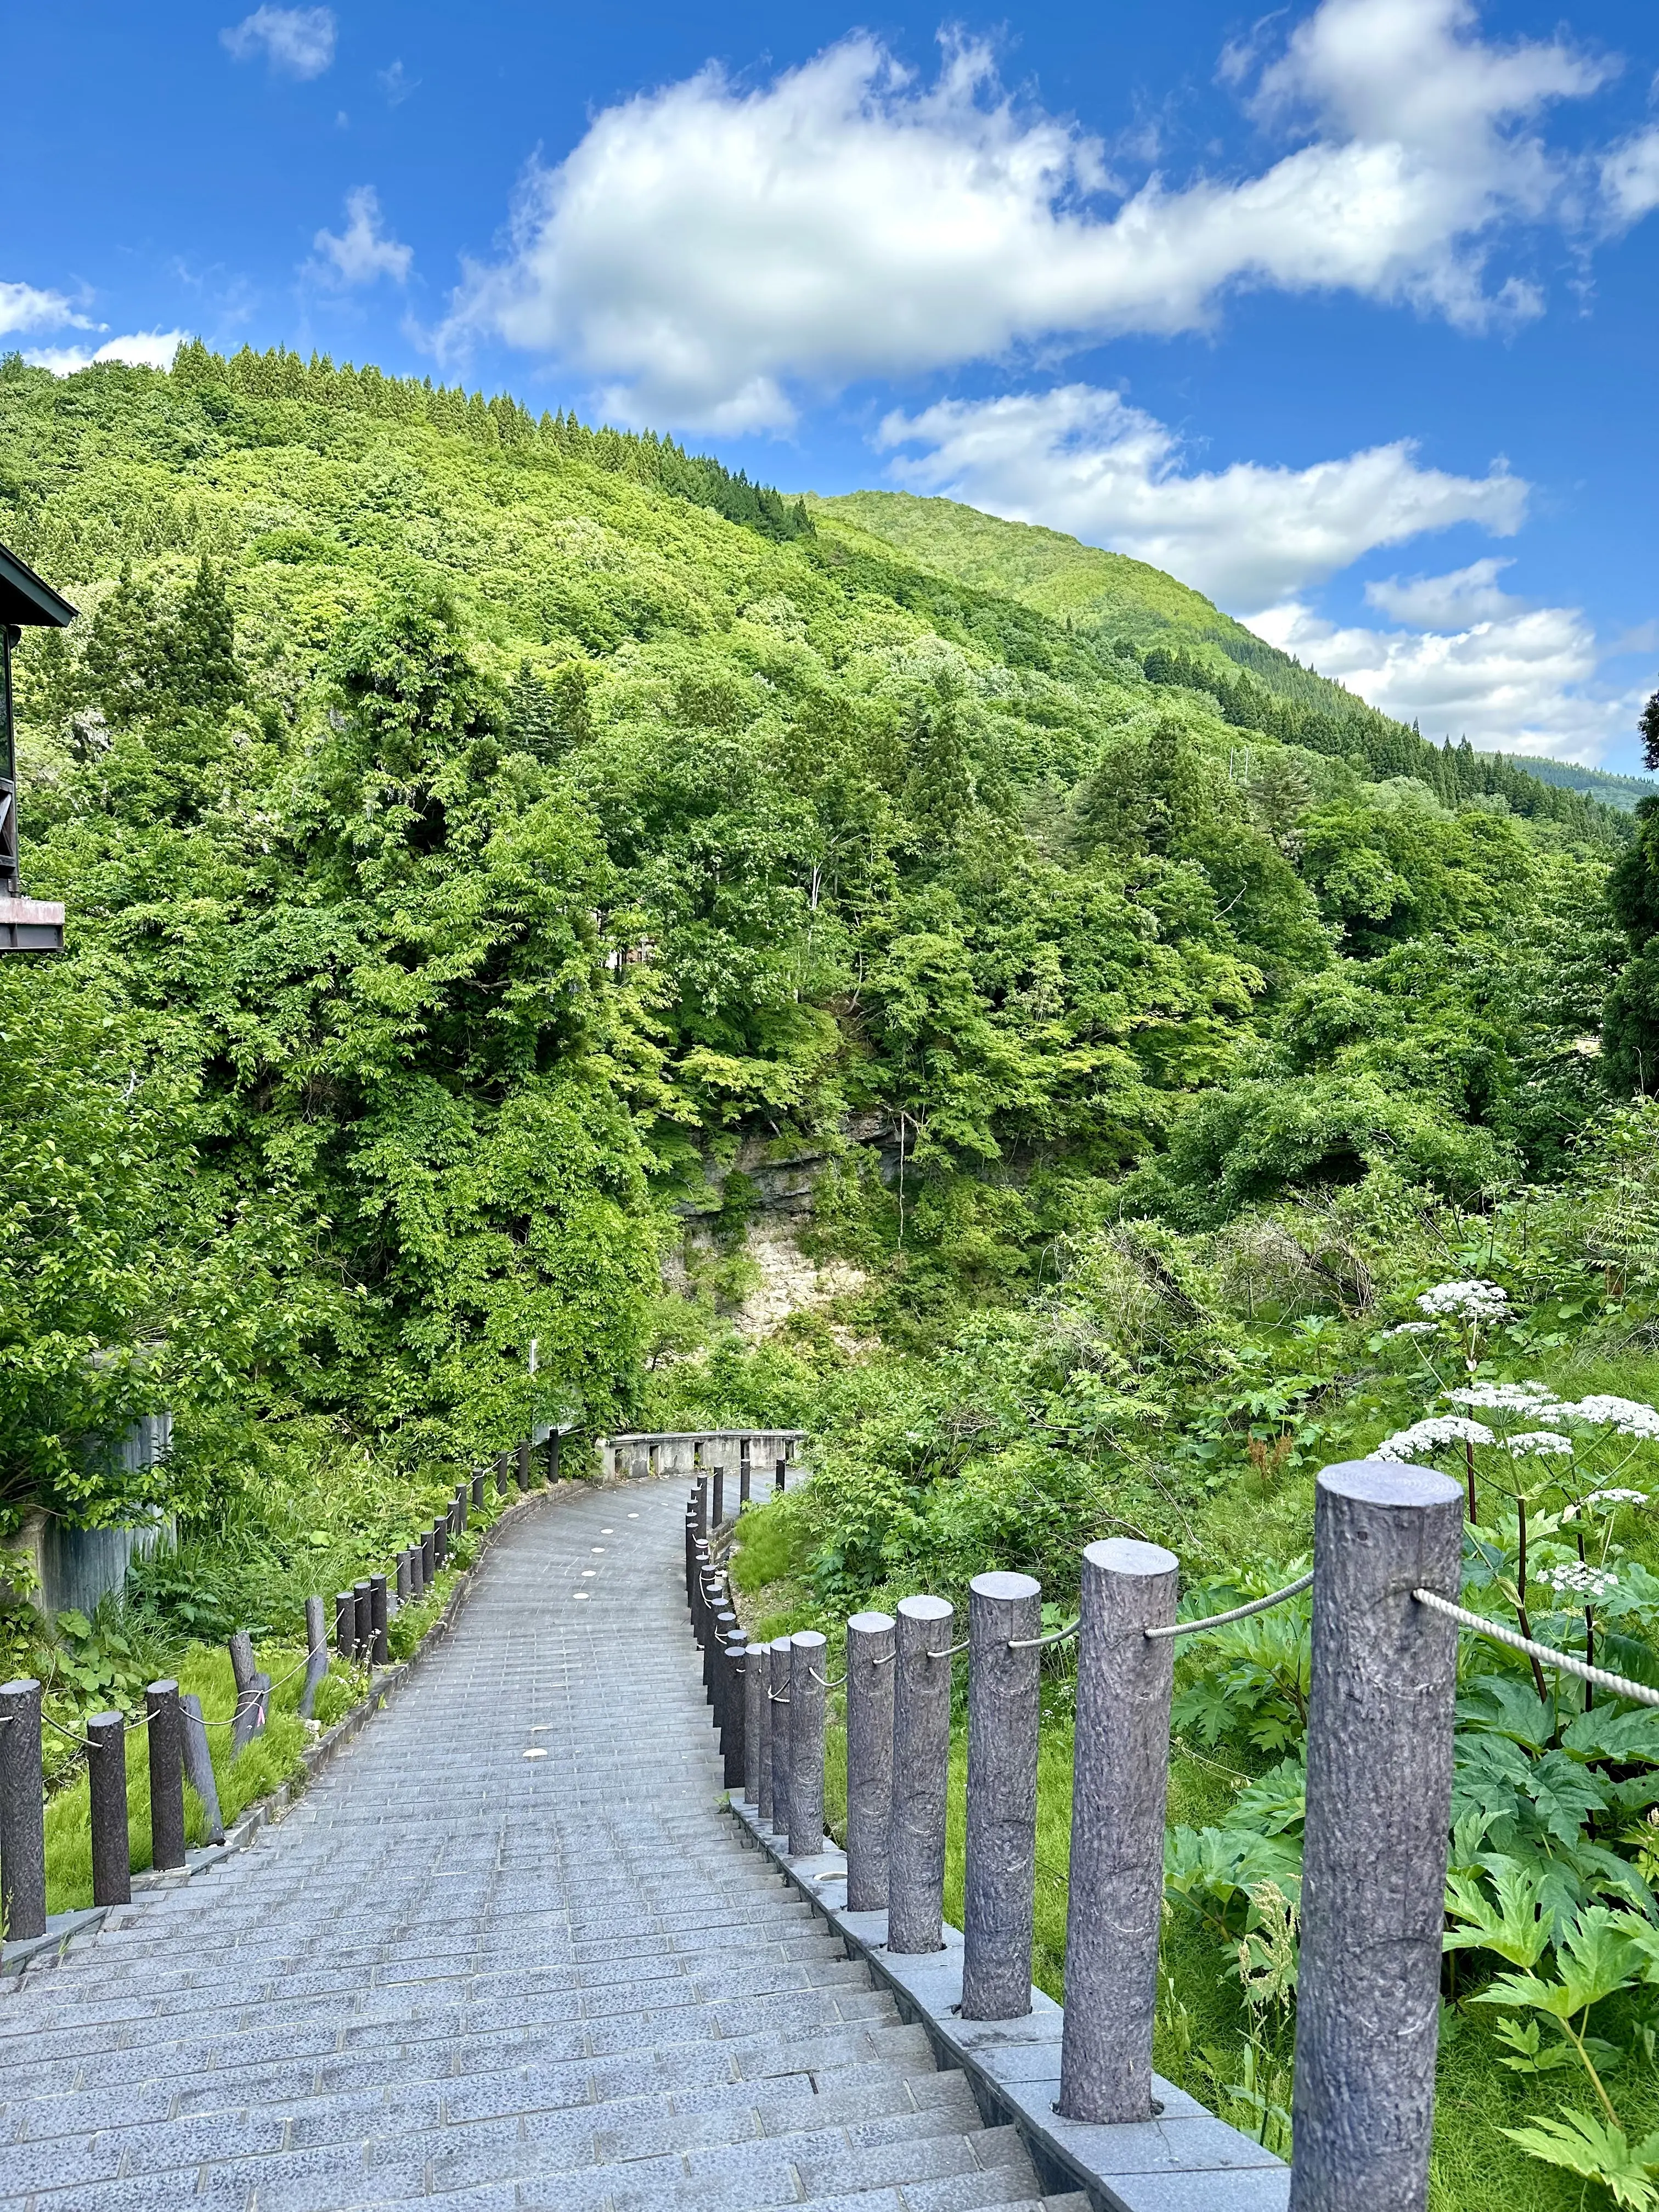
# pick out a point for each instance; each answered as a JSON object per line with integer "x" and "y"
{"x": 1377, "y": 1818}
{"x": 1619, "y": 1685}
{"x": 1237, "y": 1613}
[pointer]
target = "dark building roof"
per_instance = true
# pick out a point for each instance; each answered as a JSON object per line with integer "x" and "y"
{"x": 27, "y": 600}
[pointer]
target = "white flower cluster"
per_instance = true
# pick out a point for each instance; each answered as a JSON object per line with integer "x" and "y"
{"x": 1477, "y": 1300}
{"x": 1505, "y": 1397}
{"x": 1539, "y": 1444}
{"x": 1414, "y": 1444}
{"x": 1606, "y": 1498}
{"x": 1627, "y": 1416}
{"x": 1575, "y": 1579}
{"x": 1412, "y": 1328}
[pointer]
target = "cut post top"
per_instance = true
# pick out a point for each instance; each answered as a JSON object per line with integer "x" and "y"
{"x": 1126, "y": 1555}
{"x": 808, "y": 1639}
{"x": 1389, "y": 1482}
{"x": 1005, "y": 1589}
{"x": 926, "y": 1608}
{"x": 870, "y": 1624}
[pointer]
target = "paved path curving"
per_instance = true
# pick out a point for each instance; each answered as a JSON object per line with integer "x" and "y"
{"x": 460, "y": 1976}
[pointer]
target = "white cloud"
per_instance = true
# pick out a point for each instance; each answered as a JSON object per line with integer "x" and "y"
{"x": 396, "y": 84}
{"x": 706, "y": 245}
{"x": 141, "y": 349}
{"x": 1519, "y": 678}
{"x": 26, "y": 307}
{"x": 1084, "y": 460}
{"x": 1467, "y": 595}
{"x": 362, "y": 251}
{"x": 297, "y": 41}
{"x": 1630, "y": 177}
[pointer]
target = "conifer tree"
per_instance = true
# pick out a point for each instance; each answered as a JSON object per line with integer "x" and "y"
{"x": 201, "y": 674}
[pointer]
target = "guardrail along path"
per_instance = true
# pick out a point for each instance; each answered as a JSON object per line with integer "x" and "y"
{"x": 509, "y": 1952}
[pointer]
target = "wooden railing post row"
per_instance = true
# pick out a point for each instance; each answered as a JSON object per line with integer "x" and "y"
{"x": 23, "y": 1811}
{"x": 106, "y": 1791}
{"x": 870, "y": 1646}
{"x": 1125, "y": 1681}
{"x": 921, "y": 1768}
{"x": 807, "y": 1671}
{"x": 1005, "y": 1617}
{"x": 1380, "y": 1710}
{"x": 166, "y": 1775}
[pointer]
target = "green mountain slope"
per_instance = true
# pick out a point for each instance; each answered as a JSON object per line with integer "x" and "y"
{"x": 1127, "y": 600}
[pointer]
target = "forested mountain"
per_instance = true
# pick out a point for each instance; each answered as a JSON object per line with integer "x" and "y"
{"x": 472, "y": 827}
{"x": 1180, "y": 637}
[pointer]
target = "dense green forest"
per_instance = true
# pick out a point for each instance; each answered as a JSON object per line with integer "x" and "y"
{"x": 491, "y": 843}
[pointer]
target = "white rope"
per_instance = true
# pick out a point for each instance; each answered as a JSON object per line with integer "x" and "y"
{"x": 1238, "y": 1613}
{"x": 1037, "y": 1643}
{"x": 951, "y": 1654}
{"x": 1620, "y": 1684}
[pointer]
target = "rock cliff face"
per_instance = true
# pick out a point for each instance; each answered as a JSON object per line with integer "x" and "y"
{"x": 775, "y": 1278}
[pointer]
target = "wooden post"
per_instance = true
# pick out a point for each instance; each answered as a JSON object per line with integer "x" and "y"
{"x": 166, "y": 1775}
{"x": 23, "y": 1811}
{"x": 107, "y": 1784}
{"x": 869, "y": 1648}
{"x": 921, "y": 1769}
{"x": 1115, "y": 1900}
{"x": 807, "y": 1681}
{"x": 317, "y": 1643}
{"x": 1380, "y": 1715}
{"x": 198, "y": 1765}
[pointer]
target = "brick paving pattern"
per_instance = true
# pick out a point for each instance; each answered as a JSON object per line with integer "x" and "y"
{"x": 461, "y": 1974}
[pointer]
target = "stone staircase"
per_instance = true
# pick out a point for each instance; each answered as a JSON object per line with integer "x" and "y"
{"x": 508, "y": 1952}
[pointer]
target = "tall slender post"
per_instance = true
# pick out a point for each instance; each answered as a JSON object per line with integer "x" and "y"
{"x": 524, "y": 1462}
{"x": 806, "y": 1685}
{"x": 463, "y": 1499}
{"x": 1121, "y": 1775}
{"x": 479, "y": 1488}
{"x": 736, "y": 1705}
{"x": 364, "y": 1594}
{"x": 922, "y": 1772}
{"x": 725, "y": 1625}
{"x": 1004, "y": 1618}
{"x": 198, "y": 1766}
{"x": 107, "y": 1784}
{"x": 440, "y": 1543}
{"x": 760, "y": 1728}
{"x": 379, "y": 1621}
{"x": 783, "y": 1469}
{"x": 718, "y": 1507}
{"x": 503, "y": 1472}
{"x": 869, "y": 1648}
{"x": 703, "y": 1506}
{"x": 317, "y": 1643}
{"x": 345, "y": 1624}
{"x": 743, "y": 1480}
{"x": 1380, "y": 1713}
{"x": 22, "y": 1810}
{"x": 428, "y": 1558}
{"x": 778, "y": 1685}
{"x": 404, "y": 1592}
{"x": 754, "y": 1706}
{"x": 166, "y": 1775}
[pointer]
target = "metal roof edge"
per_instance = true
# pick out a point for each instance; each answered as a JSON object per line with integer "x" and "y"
{"x": 21, "y": 590}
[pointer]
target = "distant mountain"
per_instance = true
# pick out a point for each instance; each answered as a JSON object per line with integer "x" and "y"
{"x": 1177, "y": 637}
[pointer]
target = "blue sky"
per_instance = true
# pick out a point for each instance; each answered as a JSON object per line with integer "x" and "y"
{"x": 1346, "y": 313}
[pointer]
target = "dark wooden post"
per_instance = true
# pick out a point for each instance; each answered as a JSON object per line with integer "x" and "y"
{"x": 22, "y": 1810}
{"x": 166, "y": 1775}
{"x": 107, "y": 1781}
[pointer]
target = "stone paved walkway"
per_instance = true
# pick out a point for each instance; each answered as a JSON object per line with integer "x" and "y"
{"x": 460, "y": 1975}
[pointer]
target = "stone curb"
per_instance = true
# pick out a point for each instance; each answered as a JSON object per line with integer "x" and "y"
{"x": 63, "y": 1929}
{"x": 1184, "y": 2160}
